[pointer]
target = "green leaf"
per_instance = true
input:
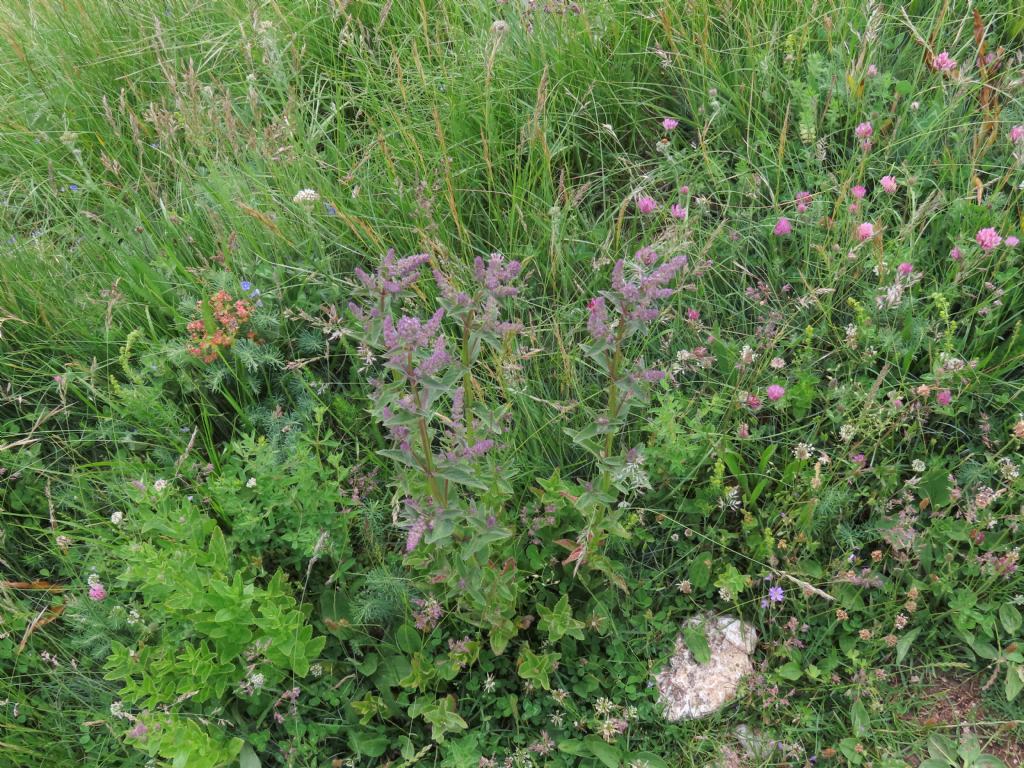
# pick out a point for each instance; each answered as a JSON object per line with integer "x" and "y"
{"x": 969, "y": 749}
{"x": 408, "y": 639}
{"x": 603, "y": 751}
{"x": 1010, "y": 617}
{"x": 500, "y": 635}
{"x": 697, "y": 642}
{"x": 849, "y": 749}
{"x": 558, "y": 621}
{"x": 941, "y": 747}
{"x": 904, "y": 643}
{"x": 649, "y": 759}
{"x": 369, "y": 743}
{"x": 860, "y": 718}
{"x": 441, "y": 715}
{"x": 700, "y": 570}
{"x": 218, "y": 550}
{"x": 985, "y": 650}
{"x": 932, "y": 762}
{"x": 988, "y": 761}
{"x": 248, "y": 758}
{"x": 1014, "y": 680}
{"x": 573, "y": 747}
{"x": 790, "y": 671}
{"x": 537, "y": 667}
{"x": 935, "y": 486}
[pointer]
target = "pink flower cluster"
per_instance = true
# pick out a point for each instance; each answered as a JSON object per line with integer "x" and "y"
{"x": 988, "y": 239}
{"x": 943, "y": 62}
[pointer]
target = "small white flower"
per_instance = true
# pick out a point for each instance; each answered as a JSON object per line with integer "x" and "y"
{"x": 117, "y": 517}
{"x": 306, "y": 196}
{"x": 918, "y": 466}
{"x": 847, "y": 432}
{"x": 250, "y": 483}
{"x": 159, "y": 485}
{"x": 803, "y": 451}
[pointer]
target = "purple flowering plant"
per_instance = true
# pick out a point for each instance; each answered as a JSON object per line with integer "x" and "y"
{"x": 445, "y": 438}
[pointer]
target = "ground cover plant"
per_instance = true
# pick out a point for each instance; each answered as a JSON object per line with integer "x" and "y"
{"x": 387, "y": 383}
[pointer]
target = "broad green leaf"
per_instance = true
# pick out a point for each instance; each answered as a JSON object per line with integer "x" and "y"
{"x": 248, "y": 758}
{"x": 1014, "y": 681}
{"x": 607, "y": 753}
{"x": 941, "y": 747}
{"x": 860, "y": 718}
{"x": 904, "y": 643}
{"x": 408, "y": 639}
{"x": 558, "y": 621}
{"x": 1010, "y": 617}
{"x": 790, "y": 671}
{"x": 697, "y": 642}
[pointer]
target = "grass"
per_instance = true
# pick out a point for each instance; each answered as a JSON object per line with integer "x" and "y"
{"x": 149, "y": 156}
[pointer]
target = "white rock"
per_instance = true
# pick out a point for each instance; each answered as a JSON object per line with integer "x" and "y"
{"x": 691, "y": 690}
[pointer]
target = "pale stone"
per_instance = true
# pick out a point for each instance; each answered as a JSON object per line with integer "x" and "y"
{"x": 690, "y": 690}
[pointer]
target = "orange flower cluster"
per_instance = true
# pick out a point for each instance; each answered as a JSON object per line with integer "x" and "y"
{"x": 230, "y": 315}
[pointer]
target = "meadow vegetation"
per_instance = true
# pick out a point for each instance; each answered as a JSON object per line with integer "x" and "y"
{"x": 386, "y": 382}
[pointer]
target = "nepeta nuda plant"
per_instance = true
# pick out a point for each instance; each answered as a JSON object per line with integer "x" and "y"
{"x": 639, "y": 286}
{"x": 444, "y": 436}
{"x": 617, "y": 318}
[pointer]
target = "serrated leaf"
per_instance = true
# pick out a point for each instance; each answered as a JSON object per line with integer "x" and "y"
{"x": 558, "y": 621}
{"x": 537, "y": 667}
